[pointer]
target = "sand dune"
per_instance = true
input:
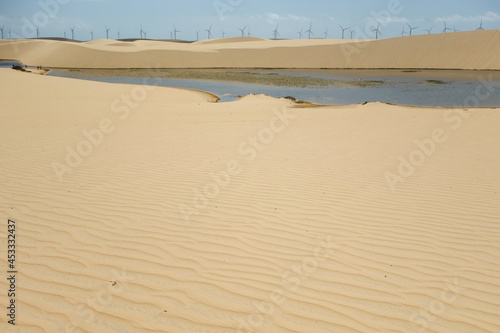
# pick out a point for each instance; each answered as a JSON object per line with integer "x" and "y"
{"x": 174, "y": 221}
{"x": 461, "y": 50}
{"x": 230, "y": 40}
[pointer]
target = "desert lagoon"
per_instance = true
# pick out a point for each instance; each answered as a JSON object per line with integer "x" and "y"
{"x": 432, "y": 88}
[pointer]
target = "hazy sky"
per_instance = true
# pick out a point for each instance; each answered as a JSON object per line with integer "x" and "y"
{"x": 54, "y": 17}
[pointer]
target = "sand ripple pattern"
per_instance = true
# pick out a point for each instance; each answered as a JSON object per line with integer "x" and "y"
{"x": 308, "y": 237}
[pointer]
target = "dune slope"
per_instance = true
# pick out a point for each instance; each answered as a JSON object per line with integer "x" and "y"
{"x": 461, "y": 50}
{"x": 250, "y": 216}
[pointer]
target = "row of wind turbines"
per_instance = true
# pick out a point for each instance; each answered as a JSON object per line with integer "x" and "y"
{"x": 275, "y": 32}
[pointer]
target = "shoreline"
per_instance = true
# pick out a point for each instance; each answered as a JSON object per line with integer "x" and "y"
{"x": 286, "y": 79}
{"x": 215, "y": 98}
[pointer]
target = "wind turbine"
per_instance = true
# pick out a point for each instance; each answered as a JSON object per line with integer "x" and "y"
{"x": 1, "y": 29}
{"x": 455, "y": 29}
{"x": 175, "y": 32}
{"x": 107, "y": 31}
{"x": 223, "y": 34}
{"x": 145, "y": 32}
{"x": 377, "y": 31}
{"x": 310, "y": 31}
{"x": 209, "y": 31}
{"x": 480, "y": 27}
{"x": 72, "y": 32}
{"x": 403, "y": 32}
{"x": 352, "y": 32}
{"x": 276, "y": 33}
{"x": 326, "y": 33}
{"x": 91, "y": 34}
{"x": 141, "y": 31}
{"x": 243, "y": 31}
{"x": 198, "y": 35}
{"x": 445, "y": 28}
{"x": 429, "y": 30}
{"x": 411, "y": 28}
{"x": 37, "y": 32}
{"x": 10, "y": 35}
{"x": 171, "y": 35}
{"x": 248, "y": 33}
{"x": 300, "y": 33}
{"x": 64, "y": 33}
{"x": 343, "y": 30}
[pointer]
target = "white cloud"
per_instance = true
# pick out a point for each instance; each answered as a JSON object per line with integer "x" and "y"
{"x": 273, "y": 18}
{"x": 392, "y": 19}
{"x": 488, "y": 17}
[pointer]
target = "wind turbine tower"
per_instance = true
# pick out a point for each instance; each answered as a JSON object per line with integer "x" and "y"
{"x": 107, "y": 32}
{"x": 310, "y": 31}
{"x": 377, "y": 31}
{"x": 343, "y": 30}
{"x": 72, "y": 32}
{"x": 209, "y": 32}
{"x": 276, "y": 33}
{"x": 1, "y": 29}
{"x": 480, "y": 27}
{"x": 175, "y": 32}
{"x": 411, "y": 28}
{"x": 446, "y": 29}
{"x": 243, "y": 31}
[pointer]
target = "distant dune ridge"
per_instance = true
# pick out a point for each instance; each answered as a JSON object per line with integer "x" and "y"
{"x": 460, "y": 50}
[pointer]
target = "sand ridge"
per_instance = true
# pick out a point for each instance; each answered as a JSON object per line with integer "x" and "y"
{"x": 460, "y": 50}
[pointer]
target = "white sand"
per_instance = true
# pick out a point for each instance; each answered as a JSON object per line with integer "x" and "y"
{"x": 461, "y": 50}
{"x": 302, "y": 234}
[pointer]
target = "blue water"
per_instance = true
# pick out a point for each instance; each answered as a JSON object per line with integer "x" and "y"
{"x": 9, "y": 64}
{"x": 458, "y": 88}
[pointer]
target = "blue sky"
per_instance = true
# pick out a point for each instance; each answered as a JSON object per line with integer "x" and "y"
{"x": 54, "y": 17}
